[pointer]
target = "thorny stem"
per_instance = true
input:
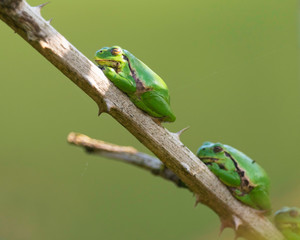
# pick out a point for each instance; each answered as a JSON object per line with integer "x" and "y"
{"x": 29, "y": 24}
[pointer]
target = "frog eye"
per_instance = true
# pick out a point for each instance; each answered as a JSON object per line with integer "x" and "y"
{"x": 101, "y": 51}
{"x": 293, "y": 213}
{"x": 116, "y": 51}
{"x": 217, "y": 149}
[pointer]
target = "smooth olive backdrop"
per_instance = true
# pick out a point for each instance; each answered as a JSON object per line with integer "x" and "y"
{"x": 232, "y": 68}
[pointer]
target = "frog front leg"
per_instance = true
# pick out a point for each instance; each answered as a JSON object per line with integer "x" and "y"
{"x": 125, "y": 84}
{"x": 229, "y": 178}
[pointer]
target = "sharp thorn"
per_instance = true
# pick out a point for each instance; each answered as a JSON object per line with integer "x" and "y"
{"x": 237, "y": 222}
{"x": 104, "y": 106}
{"x": 100, "y": 109}
{"x": 43, "y": 5}
{"x": 224, "y": 224}
{"x": 222, "y": 227}
{"x": 182, "y": 131}
{"x": 49, "y": 21}
{"x": 38, "y": 8}
{"x": 178, "y": 134}
{"x": 197, "y": 199}
{"x": 109, "y": 106}
{"x": 233, "y": 223}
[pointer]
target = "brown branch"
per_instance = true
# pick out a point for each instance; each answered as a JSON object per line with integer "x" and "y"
{"x": 29, "y": 24}
{"x": 125, "y": 154}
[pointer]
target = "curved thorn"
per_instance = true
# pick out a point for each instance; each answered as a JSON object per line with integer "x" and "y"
{"x": 105, "y": 106}
{"x": 197, "y": 199}
{"x": 109, "y": 106}
{"x": 38, "y": 8}
{"x": 225, "y": 223}
{"x": 178, "y": 134}
{"x": 101, "y": 109}
{"x": 182, "y": 131}
{"x": 43, "y": 5}
{"x": 237, "y": 222}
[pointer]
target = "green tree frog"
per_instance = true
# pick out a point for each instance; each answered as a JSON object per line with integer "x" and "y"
{"x": 143, "y": 86}
{"x": 245, "y": 179}
{"x": 287, "y": 220}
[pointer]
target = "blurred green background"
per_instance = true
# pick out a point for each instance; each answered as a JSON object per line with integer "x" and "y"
{"x": 232, "y": 68}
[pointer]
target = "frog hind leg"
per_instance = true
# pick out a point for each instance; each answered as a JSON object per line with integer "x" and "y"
{"x": 246, "y": 199}
{"x": 258, "y": 198}
{"x": 261, "y": 198}
{"x": 157, "y": 106}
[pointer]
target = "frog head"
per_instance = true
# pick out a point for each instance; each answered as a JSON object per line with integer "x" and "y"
{"x": 288, "y": 218}
{"x": 215, "y": 153}
{"x": 110, "y": 57}
{"x": 211, "y": 152}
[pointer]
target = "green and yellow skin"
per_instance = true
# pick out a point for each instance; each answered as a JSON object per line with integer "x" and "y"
{"x": 246, "y": 180}
{"x": 143, "y": 86}
{"x": 287, "y": 220}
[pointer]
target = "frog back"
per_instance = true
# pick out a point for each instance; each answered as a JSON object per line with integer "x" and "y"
{"x": 143, "y": 73}
{"x": 255, "y": 172}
